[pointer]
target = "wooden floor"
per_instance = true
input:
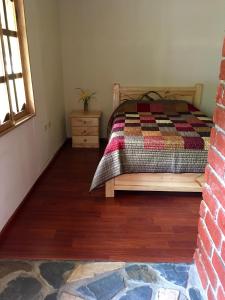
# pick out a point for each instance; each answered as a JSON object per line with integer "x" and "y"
{"x": 61, "y": 219}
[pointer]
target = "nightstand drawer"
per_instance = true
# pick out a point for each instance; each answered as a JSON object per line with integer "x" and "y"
{"x": 85, "y": 128}
{"x": 85, "y": 141}
{"x": 84, "y": 121}
{"x": 94, "y": 130}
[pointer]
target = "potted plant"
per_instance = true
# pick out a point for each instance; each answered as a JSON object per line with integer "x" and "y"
{"x": 85, "y": 96}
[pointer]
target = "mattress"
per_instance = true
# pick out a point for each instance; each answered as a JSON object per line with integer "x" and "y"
{"x": 163, "y": 136}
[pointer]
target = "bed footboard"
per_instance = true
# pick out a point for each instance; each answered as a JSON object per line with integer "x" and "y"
{"x": 165, "y": 182}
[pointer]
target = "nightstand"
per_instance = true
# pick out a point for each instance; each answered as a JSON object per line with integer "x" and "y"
{"x": 85, "y": 129}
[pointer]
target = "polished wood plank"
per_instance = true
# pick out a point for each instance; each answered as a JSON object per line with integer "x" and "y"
{"x": 61, "y": 219}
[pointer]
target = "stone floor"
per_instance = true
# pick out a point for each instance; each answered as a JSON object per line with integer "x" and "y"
{"x": 74, "y": 280}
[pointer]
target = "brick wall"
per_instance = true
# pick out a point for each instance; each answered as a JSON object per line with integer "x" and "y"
{"x": 210, "y": 255}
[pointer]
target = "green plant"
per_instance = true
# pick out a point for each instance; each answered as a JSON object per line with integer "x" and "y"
{"x": 85, "y": 95}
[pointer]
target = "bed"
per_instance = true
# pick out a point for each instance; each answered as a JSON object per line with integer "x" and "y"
{"x": 159, "y": 145}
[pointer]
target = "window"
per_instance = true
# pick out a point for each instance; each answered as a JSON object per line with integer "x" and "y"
{"x": 16, "y": 94}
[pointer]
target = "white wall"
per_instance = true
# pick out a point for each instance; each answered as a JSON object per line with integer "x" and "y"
{"x": 142, "y": 42}
{"x": 25, "y": 151}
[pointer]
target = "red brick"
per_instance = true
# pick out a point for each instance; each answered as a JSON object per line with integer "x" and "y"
{"x": 219, "y": 117}
{"x": 217, "y": 188}
{"x": 210, "y": 201}
{"x": 213, "y": 229}
{"x": 207, "y": 173}
{"x": 210, "y": 295}
{"x": 213, "y": 136}
{"x": 216, "y": 162}
{"x": 201, "y": 271}
{"x": 221, "y": 221}
{"x": 203, "y": 209}
{"x": 223, "y": 251}
{"x": 222, "y": 70}
{"x": 199, "y": 242}
{"x": 220, "y": 142}
{"x": 205, "y": 238}
{"x": 219, "y": 95}
{"x": 220, "y": 294}
{"x": 208, "y": 267}
{"x": 223, "y": 99}
{"x": 219, "y": 267}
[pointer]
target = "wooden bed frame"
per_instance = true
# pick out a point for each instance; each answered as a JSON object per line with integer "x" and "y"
{"x": 183, "y": 182}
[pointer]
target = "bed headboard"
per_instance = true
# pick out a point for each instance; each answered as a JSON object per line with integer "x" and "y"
{"x": 191, "y": 94}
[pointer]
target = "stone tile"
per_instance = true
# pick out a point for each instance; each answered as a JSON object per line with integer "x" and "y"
{"x": 102, "y": 281}
{"x": 7, "y": 267}
{"x": 84, "y": 291}
{"x": 23, "y": 288}
{"x": 193, "y": 277}
{"x": 66, "y": 296}
{"x": 138, "y": 293}
{"x": 51, "y": 297}
{"x": 176, "y": 273}
{"x": 142, "y": 273}
{"x": 167, "y": 294}
{"x": 182, "y": 267}
{"x": 107, "y": 287}
{"x": 53, "y": 272}
{"x": 195, "y": 294}
{"x": 90, "y": 270}
{"x": 182, "y": 297}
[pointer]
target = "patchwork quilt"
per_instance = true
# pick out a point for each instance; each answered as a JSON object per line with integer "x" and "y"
{"x": 163, "y": 136}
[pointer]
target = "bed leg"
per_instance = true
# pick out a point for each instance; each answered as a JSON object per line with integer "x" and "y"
{"x": 109, "y": 188}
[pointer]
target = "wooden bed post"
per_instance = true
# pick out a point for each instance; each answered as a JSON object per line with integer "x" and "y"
{"x": 116, "y": 95}
{"x": 198, "y": 95}
{"x": 109, "y": 188}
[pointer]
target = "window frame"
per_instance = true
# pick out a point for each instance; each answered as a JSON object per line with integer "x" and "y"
{"x": 20, "y": 117}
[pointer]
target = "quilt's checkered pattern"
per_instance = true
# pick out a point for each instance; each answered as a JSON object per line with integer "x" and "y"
{"x": 183, "y": 128}
{"x": 176, "y": 132}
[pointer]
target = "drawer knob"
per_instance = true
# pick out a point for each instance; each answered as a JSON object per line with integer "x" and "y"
{"x": 85, "y": 140}
{"x": 84, "y": 132}
{"x": 85, "y": 122}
